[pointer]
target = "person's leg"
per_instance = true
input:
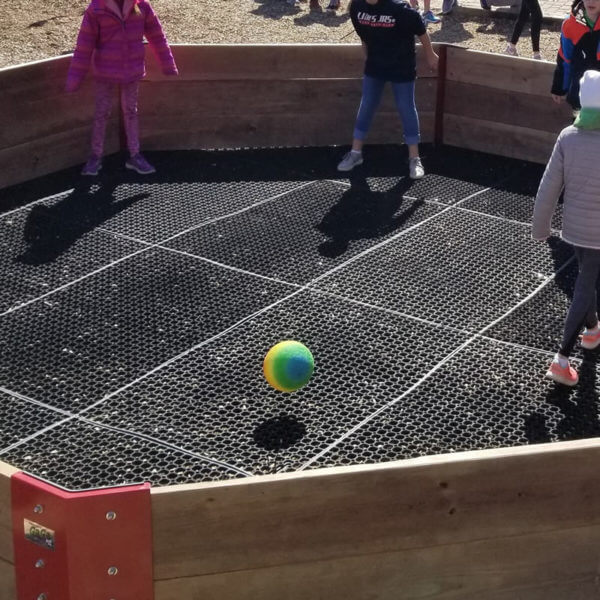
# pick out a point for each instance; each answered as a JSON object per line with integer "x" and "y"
{"x": 524, "y": 13}
{"x": 428, "y": 15}
{"x": 536, "y": 26}
{"x": 372, "y": 91}
{"x": 371, "y": 97}
{"x": 129, "y": 102}
{"x": 104, "y": 93}
{"x": 104, "y": 101}
{"x": 404, "y": 95}
{"x": 582, "y": 310}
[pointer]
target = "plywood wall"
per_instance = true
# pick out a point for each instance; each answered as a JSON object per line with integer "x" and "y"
{"x": 502, "y": 105}
{"x": 495, "y": 525}
{"x": 268, "y": 96}
{"x": 7, "y": 570}
{"x": 42, "y": 128}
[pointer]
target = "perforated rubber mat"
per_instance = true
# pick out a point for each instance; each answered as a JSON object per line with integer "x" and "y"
{"x": 136, "y": 312}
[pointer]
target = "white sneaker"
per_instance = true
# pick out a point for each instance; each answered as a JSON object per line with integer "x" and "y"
{"x": 511, "y": 50}
{"x": 350, "y": 160}
{"x": 415, "y": 168}
{"x": 537, "y": 56}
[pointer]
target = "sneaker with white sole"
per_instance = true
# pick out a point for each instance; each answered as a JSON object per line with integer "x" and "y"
{"x": 537, "y": 56}
{"x": 429, "y": 17}
{"x": 565, "y": 375}
{"x": 139, "y": 164}
{"x": 511, "y": 50}
{"x": 350, "y": 160}
{"x": 590, "y": 339}
{"x": 415, "y": 168}
{"x": 92, "y": 166}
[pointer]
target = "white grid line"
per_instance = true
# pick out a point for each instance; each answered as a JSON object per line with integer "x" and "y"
{"x": 301, "y": 288}
{"x": 432, "y": 371}
{"x": 248, "y": 317}
{"x": 149, "y": 247}
{"x": 142, "y": 436}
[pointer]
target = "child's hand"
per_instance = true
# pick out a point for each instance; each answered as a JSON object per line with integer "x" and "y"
{"x": 432, "y": 61}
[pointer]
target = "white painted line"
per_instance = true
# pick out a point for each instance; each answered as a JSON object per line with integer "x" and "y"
{"x": 427, "y": 375}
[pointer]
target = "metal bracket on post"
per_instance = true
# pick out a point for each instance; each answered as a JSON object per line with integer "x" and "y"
{"x": 93, "y": 545}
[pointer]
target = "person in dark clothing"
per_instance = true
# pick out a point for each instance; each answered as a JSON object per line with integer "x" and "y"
{"x": 387, "y": 29}
{"x": 529, "y": 9}
{"x": 579, "y": 51}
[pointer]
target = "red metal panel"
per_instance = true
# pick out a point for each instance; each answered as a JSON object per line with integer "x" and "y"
{"x": 94, "y": 545}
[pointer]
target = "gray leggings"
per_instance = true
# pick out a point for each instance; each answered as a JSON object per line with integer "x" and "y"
{"x": 583, "y": 307}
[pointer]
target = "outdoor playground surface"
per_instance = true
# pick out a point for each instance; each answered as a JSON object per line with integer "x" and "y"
{"x": 136, "y": 313}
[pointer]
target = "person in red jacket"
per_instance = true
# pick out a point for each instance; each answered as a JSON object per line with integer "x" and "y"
{"x": 579, "y": 50}
{"x": 111, "y": 38}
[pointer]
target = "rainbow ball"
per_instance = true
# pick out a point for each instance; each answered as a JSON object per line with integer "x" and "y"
{"x": 288, "y": 366}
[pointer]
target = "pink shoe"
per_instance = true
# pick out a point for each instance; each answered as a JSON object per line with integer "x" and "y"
{"x": 565, "y": 375}
{"x": 590, "y": 339}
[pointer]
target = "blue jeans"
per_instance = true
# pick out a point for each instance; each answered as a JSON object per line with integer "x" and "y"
{"x": 404, "y": 94}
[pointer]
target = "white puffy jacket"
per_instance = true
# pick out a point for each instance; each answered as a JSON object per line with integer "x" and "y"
{"x": 575, "y": 163}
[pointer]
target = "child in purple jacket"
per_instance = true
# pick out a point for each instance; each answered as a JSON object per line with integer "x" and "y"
{"x": 111, "y": 37}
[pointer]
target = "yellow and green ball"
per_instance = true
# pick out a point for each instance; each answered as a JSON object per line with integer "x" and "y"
{"x": 288, "y": 366}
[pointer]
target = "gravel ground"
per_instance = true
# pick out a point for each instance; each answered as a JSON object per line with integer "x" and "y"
{"x": 36, "y": 29}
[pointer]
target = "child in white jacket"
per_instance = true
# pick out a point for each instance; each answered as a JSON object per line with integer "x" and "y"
{"x": 574, "y": 165}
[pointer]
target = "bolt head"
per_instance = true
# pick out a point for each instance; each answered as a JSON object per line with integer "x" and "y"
{"x": 112, "y": 570}
{"x": 38, "y": 509}
{"x": 111, "y": 515}
{"x": 39, "y": 563}
{"x": 42, "y": 597}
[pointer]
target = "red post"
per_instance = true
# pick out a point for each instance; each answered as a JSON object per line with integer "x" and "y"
{"x": 94, "y": 545}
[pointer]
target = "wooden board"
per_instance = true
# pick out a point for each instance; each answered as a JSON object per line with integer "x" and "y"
{"x": 499, "y": 71}
{"x": 51, "y": 153}
{"x": 233, "y": 114}
{"x": 505, "y": 106}
{"x": 267, "y": 131}
{"x": 42, "y": 128}
{"x": 497, "y": 138}
{"x": 333, "y": 514}
{"x": 8, "y": 589}
{"x": 266, "y": 61}
{"x": 313, "y": 97}
{"x": 6, "y": 539}
{"x": 553, "y": 565}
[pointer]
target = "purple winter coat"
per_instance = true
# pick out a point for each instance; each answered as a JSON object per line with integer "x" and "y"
{"x": 115, "y": 43}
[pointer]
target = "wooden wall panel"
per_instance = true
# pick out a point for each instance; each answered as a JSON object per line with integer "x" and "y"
{"x": 6, "y": 540}
{"x": 497, "y": 138}
{"x": 43, "y": 129}
{"x": 310, "y": 96}
{"x": 505, "y": 106}
{"x": 262, "y": 131}
{"x": 278, "y": 113}
{"x": 497, "y": 71}
{"x": 336, "y": 514}
{"x": 8, "y": 590}
{"x": 542, "y": 566}
{"x": 263, "y": 61}
{"x": 51, "y": 153}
